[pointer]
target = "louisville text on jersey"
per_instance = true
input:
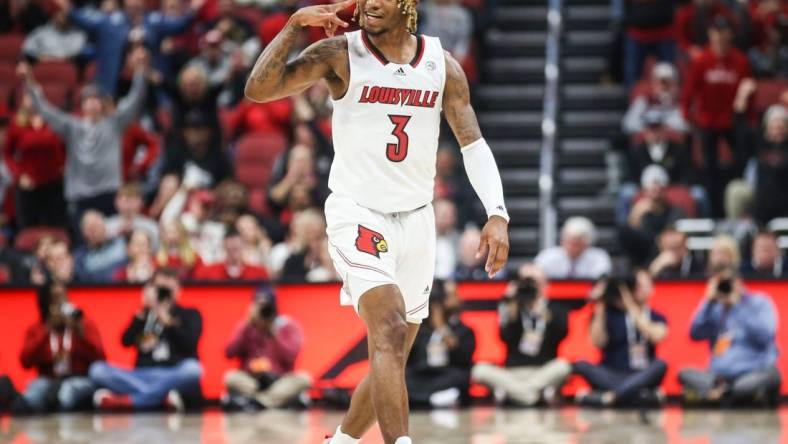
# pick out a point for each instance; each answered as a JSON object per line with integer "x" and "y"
{"x": 399, "y": 96}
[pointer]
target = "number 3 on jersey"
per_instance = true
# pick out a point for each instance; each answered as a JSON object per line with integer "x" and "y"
{"x": 396, "y": 152}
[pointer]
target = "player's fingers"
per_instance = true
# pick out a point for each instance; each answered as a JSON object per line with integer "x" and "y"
{"x": 483, "y": 247}
{"x": 500, "y": 258}
{"x": 488, "y": 267}
{"x": 338, "y": 22}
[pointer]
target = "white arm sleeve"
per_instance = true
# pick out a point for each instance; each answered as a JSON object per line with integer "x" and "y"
{"x": 484, "y": 177}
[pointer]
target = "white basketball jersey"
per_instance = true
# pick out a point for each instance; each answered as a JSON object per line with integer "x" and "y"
{"x": 386, "y": 127}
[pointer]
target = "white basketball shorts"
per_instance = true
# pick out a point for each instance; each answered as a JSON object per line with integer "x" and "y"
{"x": 370, "y": 249}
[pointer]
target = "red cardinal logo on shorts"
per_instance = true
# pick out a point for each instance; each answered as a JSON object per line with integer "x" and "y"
{"x": 370, "y": 241}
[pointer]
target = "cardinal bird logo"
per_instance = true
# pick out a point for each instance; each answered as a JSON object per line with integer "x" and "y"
{"x": 370, "y": 241}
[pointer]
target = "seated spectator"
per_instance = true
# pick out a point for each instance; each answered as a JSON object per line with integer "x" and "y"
{"x": 138, "y": 163}
{"x": 312, "y": 262}
{"x": 196, "y": 210}
{"x": 471, "y": 265}
{"x": 707, "y": 101}
{"x": 256, "y": 243}
{"x": 129, "y": 203}
{"x": 767, "y": 260}
{"x": 650, "y": 215}
{"x": 662, "y": 96}
{"x": 57, "y": 40}
{"x": 299, "y": 178}
{"x": 35, "y": 156}
{"x": 307, "y": 228}
{"x": 627, "y": 331}
{"x": 61, "y": 346}
{"x": 165, "y": 336}
{"x": 267, "y": 345}
{"x": 14, "y": 267}
{"x": 93, "y": 141}
{"x": 37, "y": 262}
{"x": 691, "y": 21}
{"x": 175, "y": 251}
{"x": 674, "y": 260}
{"x": 452, "y": 23}
{"x": 532, "y": 330}
{"x": 233, "y": 266}
{"x": 740, "y": 327}
{"x": 649, "y": 31}
{"x": 100, "y": 255}
{"x": 112, "y": 30}
{"x": 724, "y": 252}
{"x": 575, "y": 258}
{"x": 451, "y": 183}
{"x": 438, "y": 370}
{"x": 59, "y": 263}
{"x": 447, "y": 238}
{"x": 140, "y": 266}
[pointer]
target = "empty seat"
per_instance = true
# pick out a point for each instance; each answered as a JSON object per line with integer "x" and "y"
{"x": 64, "y": 73}
{"x": 768, "y": 93}
{"x": 254, "y": 157}
{"x": 10, "y": 47}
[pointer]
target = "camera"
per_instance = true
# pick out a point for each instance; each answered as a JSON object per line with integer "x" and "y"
{"x": 612, "y": 291}
{"x": 724, "y": 287}
{"x": 267, "y": 312}
{"x": 69, "y": 310}
{"x": 163, "y": 294}
{"x": 527, "y": 291}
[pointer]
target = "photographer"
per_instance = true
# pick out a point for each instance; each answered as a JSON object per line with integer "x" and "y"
{"x": 61, "y": 346}
{"x": 267, "y": 344}
{"x": 627, "y": 331}
{"x": 740, "y": 327}
{"x": 532, "y": 330}
{"x": 165, "y": 335}
{"x": 438, "y": 371}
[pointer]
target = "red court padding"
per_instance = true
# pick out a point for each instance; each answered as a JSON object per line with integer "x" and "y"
{"x": 331, "y": 331}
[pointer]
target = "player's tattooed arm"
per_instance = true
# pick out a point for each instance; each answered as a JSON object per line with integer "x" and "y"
{"x": 273, "y": 77}
{"x": 457, "y": 104}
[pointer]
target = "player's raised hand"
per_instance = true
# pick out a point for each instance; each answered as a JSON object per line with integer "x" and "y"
{"x": 495, "y": 244}
{"x": 324, "y": 16}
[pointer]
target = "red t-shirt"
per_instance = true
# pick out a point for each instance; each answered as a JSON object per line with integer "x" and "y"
{"x": 270, "y": 117}
{"x": 36, "y": 152}
{"x": 710, "y": 88}
{"x": 134, "y": 137}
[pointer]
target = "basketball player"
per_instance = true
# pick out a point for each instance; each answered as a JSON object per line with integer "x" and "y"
{"x": 388, "y": 87}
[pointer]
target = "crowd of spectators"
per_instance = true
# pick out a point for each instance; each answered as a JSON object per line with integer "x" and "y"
{"x": 128, "y": 139}
{"x": 706, "y": 131}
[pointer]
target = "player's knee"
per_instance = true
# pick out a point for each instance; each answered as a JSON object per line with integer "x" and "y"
{"x": 391, "y": 335}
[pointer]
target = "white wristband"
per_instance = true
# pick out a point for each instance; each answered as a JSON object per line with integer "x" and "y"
{"x": 484, "y": 177}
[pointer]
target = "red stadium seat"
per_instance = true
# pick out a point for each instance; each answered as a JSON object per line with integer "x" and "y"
{"x": 64, "y": 73}
{"x": 88, "y": 73}
{"x": 7, "y": 74}
{"x": 56, "y": 93}
{"x": 27, "y": 240}
{"x": 251, "y": 14}
{"x": 10, "y": 47}
{"x": 767, "y": 94}
{"x": 254, "y": 156}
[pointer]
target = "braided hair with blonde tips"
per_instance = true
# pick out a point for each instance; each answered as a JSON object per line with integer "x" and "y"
{"x": 407, "y": 7}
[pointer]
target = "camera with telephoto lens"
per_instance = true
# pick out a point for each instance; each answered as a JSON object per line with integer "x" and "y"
{"x": 527, "y": 291}
{"x": 724, "y": 287}
{"x": 69, "y": 310}
{"x": 267, "y": 312}
{"x": 163, "y": 294}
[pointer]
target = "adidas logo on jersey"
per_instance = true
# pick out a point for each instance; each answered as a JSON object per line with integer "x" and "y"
{"x": 427, "y": 290}
{"x": 399, "y": 72}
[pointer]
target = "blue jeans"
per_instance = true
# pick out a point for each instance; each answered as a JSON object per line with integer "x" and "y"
{"x": 148, "y": 386}
{"x": 635, "y": 54}
{"x": 625, "y": 385}
{"x": 73, "y": 393}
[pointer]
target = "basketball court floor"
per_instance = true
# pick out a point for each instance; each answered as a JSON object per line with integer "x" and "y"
{"x": 482, "y": 425}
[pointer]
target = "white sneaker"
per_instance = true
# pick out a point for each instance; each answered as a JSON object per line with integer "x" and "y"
{"x": 174, "y": 402}
{"x": 445, "y": 398}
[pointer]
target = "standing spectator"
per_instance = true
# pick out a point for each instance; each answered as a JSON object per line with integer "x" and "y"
{"x": 470, "y": 264}
{"x": 651, "y": 213}
{"x": 649, "y": 31}
{"x": 452, "y": 23}
{"x": 767, "y": 260}
{"x": 532, "y": 330}
{"x": 447, "y": 239}
{"x": 627, "y": 331}
{"x": 193, "y": 94}
{"x": 575, "y": 258}
{"x": 175, "y": 250}
{"x": 769, "y": 57}
{"x": 96, "y": 260}
{"x": 224, "y": 66}
{"x": 266, "y": 344}
{"x": 35, "y": 157}
{"x": 112, "y": 30}
{"x": 658, "y": 147}
{"x": 165, "y": 336}
{"x": 663, "y": 96}
{"x": 140, "y": 266}
{"x": 438, "y": 370}
{"x": 740, "y": 328}
{"x": 707, "y": 101}
{"x": 196, "y": 151}
{"x": 128, "y": 202}
{"x": 691, "y": 21}
{"x": 61, "y": 347}
{"x": 233, "y": 267}
{"x": 57, "y": 40}
{"x": 93, "y": 151}
{"x": 674, "y": 260}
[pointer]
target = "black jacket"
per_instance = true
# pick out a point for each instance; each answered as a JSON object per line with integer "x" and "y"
{"x": 555, "y": 331}
{"x": 174, "y": 343}
{"x": 459, "y": 357}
